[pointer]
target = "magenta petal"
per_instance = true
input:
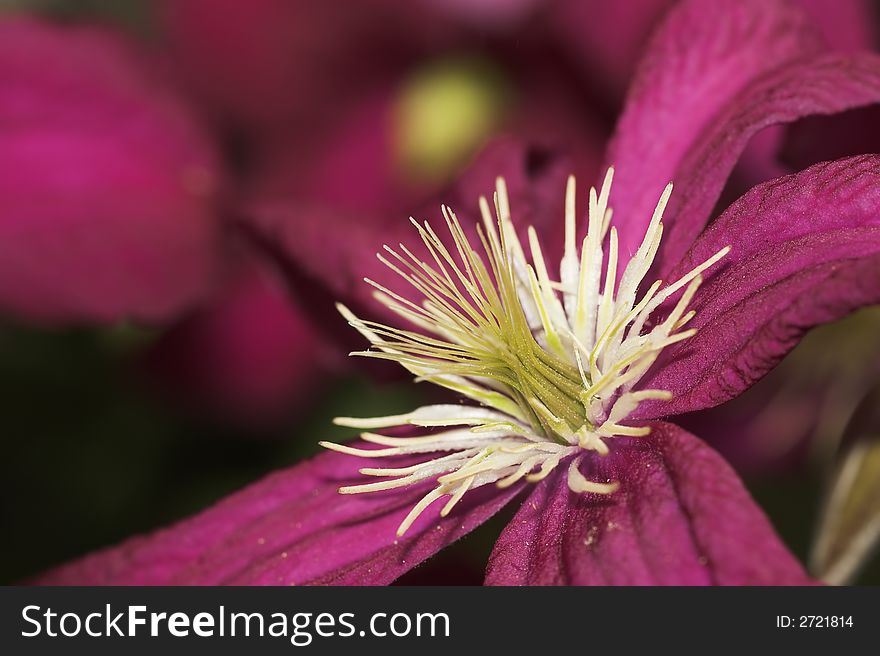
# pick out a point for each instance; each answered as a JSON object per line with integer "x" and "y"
{"x": 699, "y": 60}
{"x": 250, "y": 356}
{"x": 698, "y": 100}
{"x": 109, "y": 185}
{"x": 680, "y": 517}
{"x": 820, "y": 85}
{"x": 293, "y": 527}
{"x": 805, "y": 250}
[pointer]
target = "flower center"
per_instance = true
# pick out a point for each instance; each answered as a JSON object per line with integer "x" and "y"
{"x": 552, "y": 364}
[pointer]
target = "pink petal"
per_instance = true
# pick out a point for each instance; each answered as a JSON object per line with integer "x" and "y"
{"x": 108, "y": 188}
{"x": 680, "y": 517}
{"x": 805, "y": 251}
{"x": 710, "y": 80}
{"x": 292, "y": 527}
{"x": 847, "y": 26}
{"x": 250, "y": 356}
{"x": 796, "y": 412}
{"x": 820, "y": 85}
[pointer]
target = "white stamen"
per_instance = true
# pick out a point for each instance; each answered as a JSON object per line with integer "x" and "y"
{"x": 578, "y": 483}
{"x": 551, "y": 364}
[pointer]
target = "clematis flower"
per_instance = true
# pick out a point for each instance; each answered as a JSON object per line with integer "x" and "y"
{"x": 665, "y": 486}
{"x": 550, "y": 364}
{"x": 607, "y": 502}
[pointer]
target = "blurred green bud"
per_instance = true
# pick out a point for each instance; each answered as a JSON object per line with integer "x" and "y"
{"x": 849, "y": 525}
{"x": 445, "y": 112}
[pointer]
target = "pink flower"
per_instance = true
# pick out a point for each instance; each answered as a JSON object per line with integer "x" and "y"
{"x": 661, "y": 508}
{"x": 115, "y": 201}
{"x": 109, "y": 186}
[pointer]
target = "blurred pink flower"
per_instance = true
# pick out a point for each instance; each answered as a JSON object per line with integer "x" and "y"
{"x": 115, "y": 200}
{"x": 109, "y": 182}
{"x": 248, "y": 357}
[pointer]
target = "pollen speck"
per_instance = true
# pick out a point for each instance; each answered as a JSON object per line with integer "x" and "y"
{"x": 591, "y": 536}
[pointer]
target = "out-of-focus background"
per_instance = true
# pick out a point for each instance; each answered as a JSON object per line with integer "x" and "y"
{"x": 132, "y": 134}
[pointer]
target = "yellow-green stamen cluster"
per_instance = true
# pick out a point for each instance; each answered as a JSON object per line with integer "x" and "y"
{"x": 551, "y": 363}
